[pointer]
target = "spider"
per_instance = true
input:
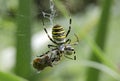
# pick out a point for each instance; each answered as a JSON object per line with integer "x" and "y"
{"x": 59, "y": 38}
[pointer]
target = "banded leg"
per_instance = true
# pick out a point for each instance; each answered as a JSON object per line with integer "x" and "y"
{"x": 74, "y": 55}
{"x": 49, "y": 46}
{"x": 69, "y": 27}
{"x": 68, "y": 57}
{"x": 76, "y": 37}
{"x": 47, "y": 33}
{"x": 68, "y": 41}
{"x": 77, "y": 41}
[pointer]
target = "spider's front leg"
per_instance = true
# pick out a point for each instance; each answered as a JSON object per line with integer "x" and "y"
{"x": 68, "y": 41}
{"x": 70, "y": 21}
{"x": 77, "y": 40}
{"x": 47, "y": 33}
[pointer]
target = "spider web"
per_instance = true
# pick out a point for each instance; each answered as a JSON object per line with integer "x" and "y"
{"x": 52, "y": 13}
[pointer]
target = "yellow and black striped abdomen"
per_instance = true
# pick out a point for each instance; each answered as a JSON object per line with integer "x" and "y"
{"x": 58, "y": 33}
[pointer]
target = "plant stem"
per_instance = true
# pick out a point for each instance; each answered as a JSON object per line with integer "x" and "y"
{"x": 23, "y": 54}
{"x": 93, "y": 74}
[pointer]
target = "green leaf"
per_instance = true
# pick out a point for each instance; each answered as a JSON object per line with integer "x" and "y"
{"x": 10, "y": 77}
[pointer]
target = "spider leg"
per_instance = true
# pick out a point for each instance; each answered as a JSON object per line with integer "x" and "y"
{"x": 39, "y": 56}
{"x": 49, "y": 36}
{"x": 69, "y": 27}
{"x": 51, "y": 46}
{"x": 68, "y": 40}
{"x": 47, "y": 33}
{"x": 74, "y": 56}
{"x": 76, "y": 37}
{"x": 76, "y": 43}
{"x": 68, "y": 57}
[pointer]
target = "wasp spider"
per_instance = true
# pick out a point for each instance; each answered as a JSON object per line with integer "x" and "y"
{"x": 59, "y": 37}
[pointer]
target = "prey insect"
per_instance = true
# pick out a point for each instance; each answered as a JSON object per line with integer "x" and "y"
{"x": 47, "y": 59}
{"x": 59, "y": 38}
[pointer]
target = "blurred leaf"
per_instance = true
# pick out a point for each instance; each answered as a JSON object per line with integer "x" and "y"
{"x": 10, "y": 77}
{"x": 100, "y": 54}
{"x": 103, "y": 68}
{"x": 62, "y": 8}
{"x": 93, "y": 74}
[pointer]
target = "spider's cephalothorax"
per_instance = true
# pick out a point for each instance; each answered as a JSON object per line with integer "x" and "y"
{"x": 59, "y": 37}
{"x": 67, "y": 49}
{"x": 47, "y": 59}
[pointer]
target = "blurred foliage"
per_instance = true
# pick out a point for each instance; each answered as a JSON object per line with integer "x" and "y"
{"x": 10, "y": 77}
{"x": 10, "y": 9}
{"x": 100, "y": 38}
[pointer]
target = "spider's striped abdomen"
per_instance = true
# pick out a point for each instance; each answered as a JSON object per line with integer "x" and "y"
{"x": 58, "y": 34}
